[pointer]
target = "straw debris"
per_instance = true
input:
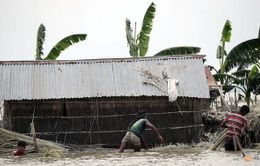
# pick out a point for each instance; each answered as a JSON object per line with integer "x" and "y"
{"x": 9, "y": 139}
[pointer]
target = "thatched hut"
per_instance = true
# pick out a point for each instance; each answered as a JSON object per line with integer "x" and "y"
{"x": 93, "y": 101}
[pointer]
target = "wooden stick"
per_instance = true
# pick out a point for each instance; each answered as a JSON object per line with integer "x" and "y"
{"x": 246, "y": 157}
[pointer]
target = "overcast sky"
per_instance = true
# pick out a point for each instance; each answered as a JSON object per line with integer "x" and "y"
{"x": 177, "y": 23}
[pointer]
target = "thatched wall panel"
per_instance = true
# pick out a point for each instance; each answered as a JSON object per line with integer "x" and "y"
{"x": 50, "y": 124}
{"x": 98, "y": 118}
{"x": 85, "y": 138}
{"x": 105, "y": 123}
{"x": 172, "y": 120}
{"x": 182, "y": 135}
{"x": 21, "y": 125}
{"x": 43, "y": 108}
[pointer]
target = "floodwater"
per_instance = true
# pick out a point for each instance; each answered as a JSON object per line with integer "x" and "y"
{"x": 160, "y": 156}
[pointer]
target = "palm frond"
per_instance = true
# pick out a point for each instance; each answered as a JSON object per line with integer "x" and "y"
{"x": 144, "y": 35}
{"x": 244, "y": 54}
{"x": 40, "y": 41}
{"x": 63, "y": 44}
{"x": 183, "y": 50}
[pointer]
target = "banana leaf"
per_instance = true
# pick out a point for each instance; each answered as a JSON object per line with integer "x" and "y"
{"x": 40, "y": 41}
{"x": 248, "y": 78}
{"x": 226, "y": 32}
{"x": 219, "y": 50}
{"x": 212, "y": 68}
{"x": 227, "y": 88}
{"x": 241, "y": 73}
{"x": 230, "y": 78}
{"x": 254, "y": 72}
{"x": 244, "y": 54}
{"x": 63, "y": 44}
{"x": 130, "y": 39}
{"x": 144, "y": 35}
{"x": 184, "y": 50}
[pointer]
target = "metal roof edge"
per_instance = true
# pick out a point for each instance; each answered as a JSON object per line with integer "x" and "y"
{"x": 98, "y": 97}
{"x": 106, "y": 60}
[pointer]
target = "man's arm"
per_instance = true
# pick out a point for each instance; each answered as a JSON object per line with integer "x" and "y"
{"x": 223, "y": 124}
{"x": 246, "y": 126}
{"x": 150, "y": 125}
{"x": 32, "y": 151}
{"x": 143, "y": 143}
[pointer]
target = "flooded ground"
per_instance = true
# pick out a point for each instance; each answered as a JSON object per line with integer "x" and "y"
{"x": 161, "y": 156}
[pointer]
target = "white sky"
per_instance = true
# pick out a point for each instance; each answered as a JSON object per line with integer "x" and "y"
{"x": 177, "y": 23}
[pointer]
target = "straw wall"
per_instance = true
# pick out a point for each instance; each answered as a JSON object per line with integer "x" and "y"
{"x": 105, "y": 120}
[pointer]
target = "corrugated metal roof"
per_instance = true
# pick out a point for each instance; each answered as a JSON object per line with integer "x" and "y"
{"x": 101, "y": 78}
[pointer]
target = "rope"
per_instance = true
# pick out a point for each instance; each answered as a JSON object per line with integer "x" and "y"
{"x": 179, "y": 110}
{"x": 32, "y": 132}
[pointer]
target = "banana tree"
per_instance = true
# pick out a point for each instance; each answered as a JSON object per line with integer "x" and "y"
{"x": 139, "y": 44}
{"x": 222, "y": 76}
{"x": 58, "y": 48}
{"x": 241, "y": 56}
{"x": 221, "y": 51}
{"x": 247, "y": 81}
{"x": 244, "y": 54}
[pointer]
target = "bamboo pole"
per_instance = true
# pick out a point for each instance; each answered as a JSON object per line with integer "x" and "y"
{"x": 219, "y": 141}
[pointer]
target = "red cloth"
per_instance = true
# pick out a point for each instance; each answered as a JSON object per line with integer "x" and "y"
{"x": 19, "y": 153}
{"x": 235, "y": 123}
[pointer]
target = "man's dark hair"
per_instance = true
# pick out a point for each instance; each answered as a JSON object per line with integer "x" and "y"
{"x": 244, "y": 110}
{"x": 21, "y": 143}
{"x": 141, "y": 114}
